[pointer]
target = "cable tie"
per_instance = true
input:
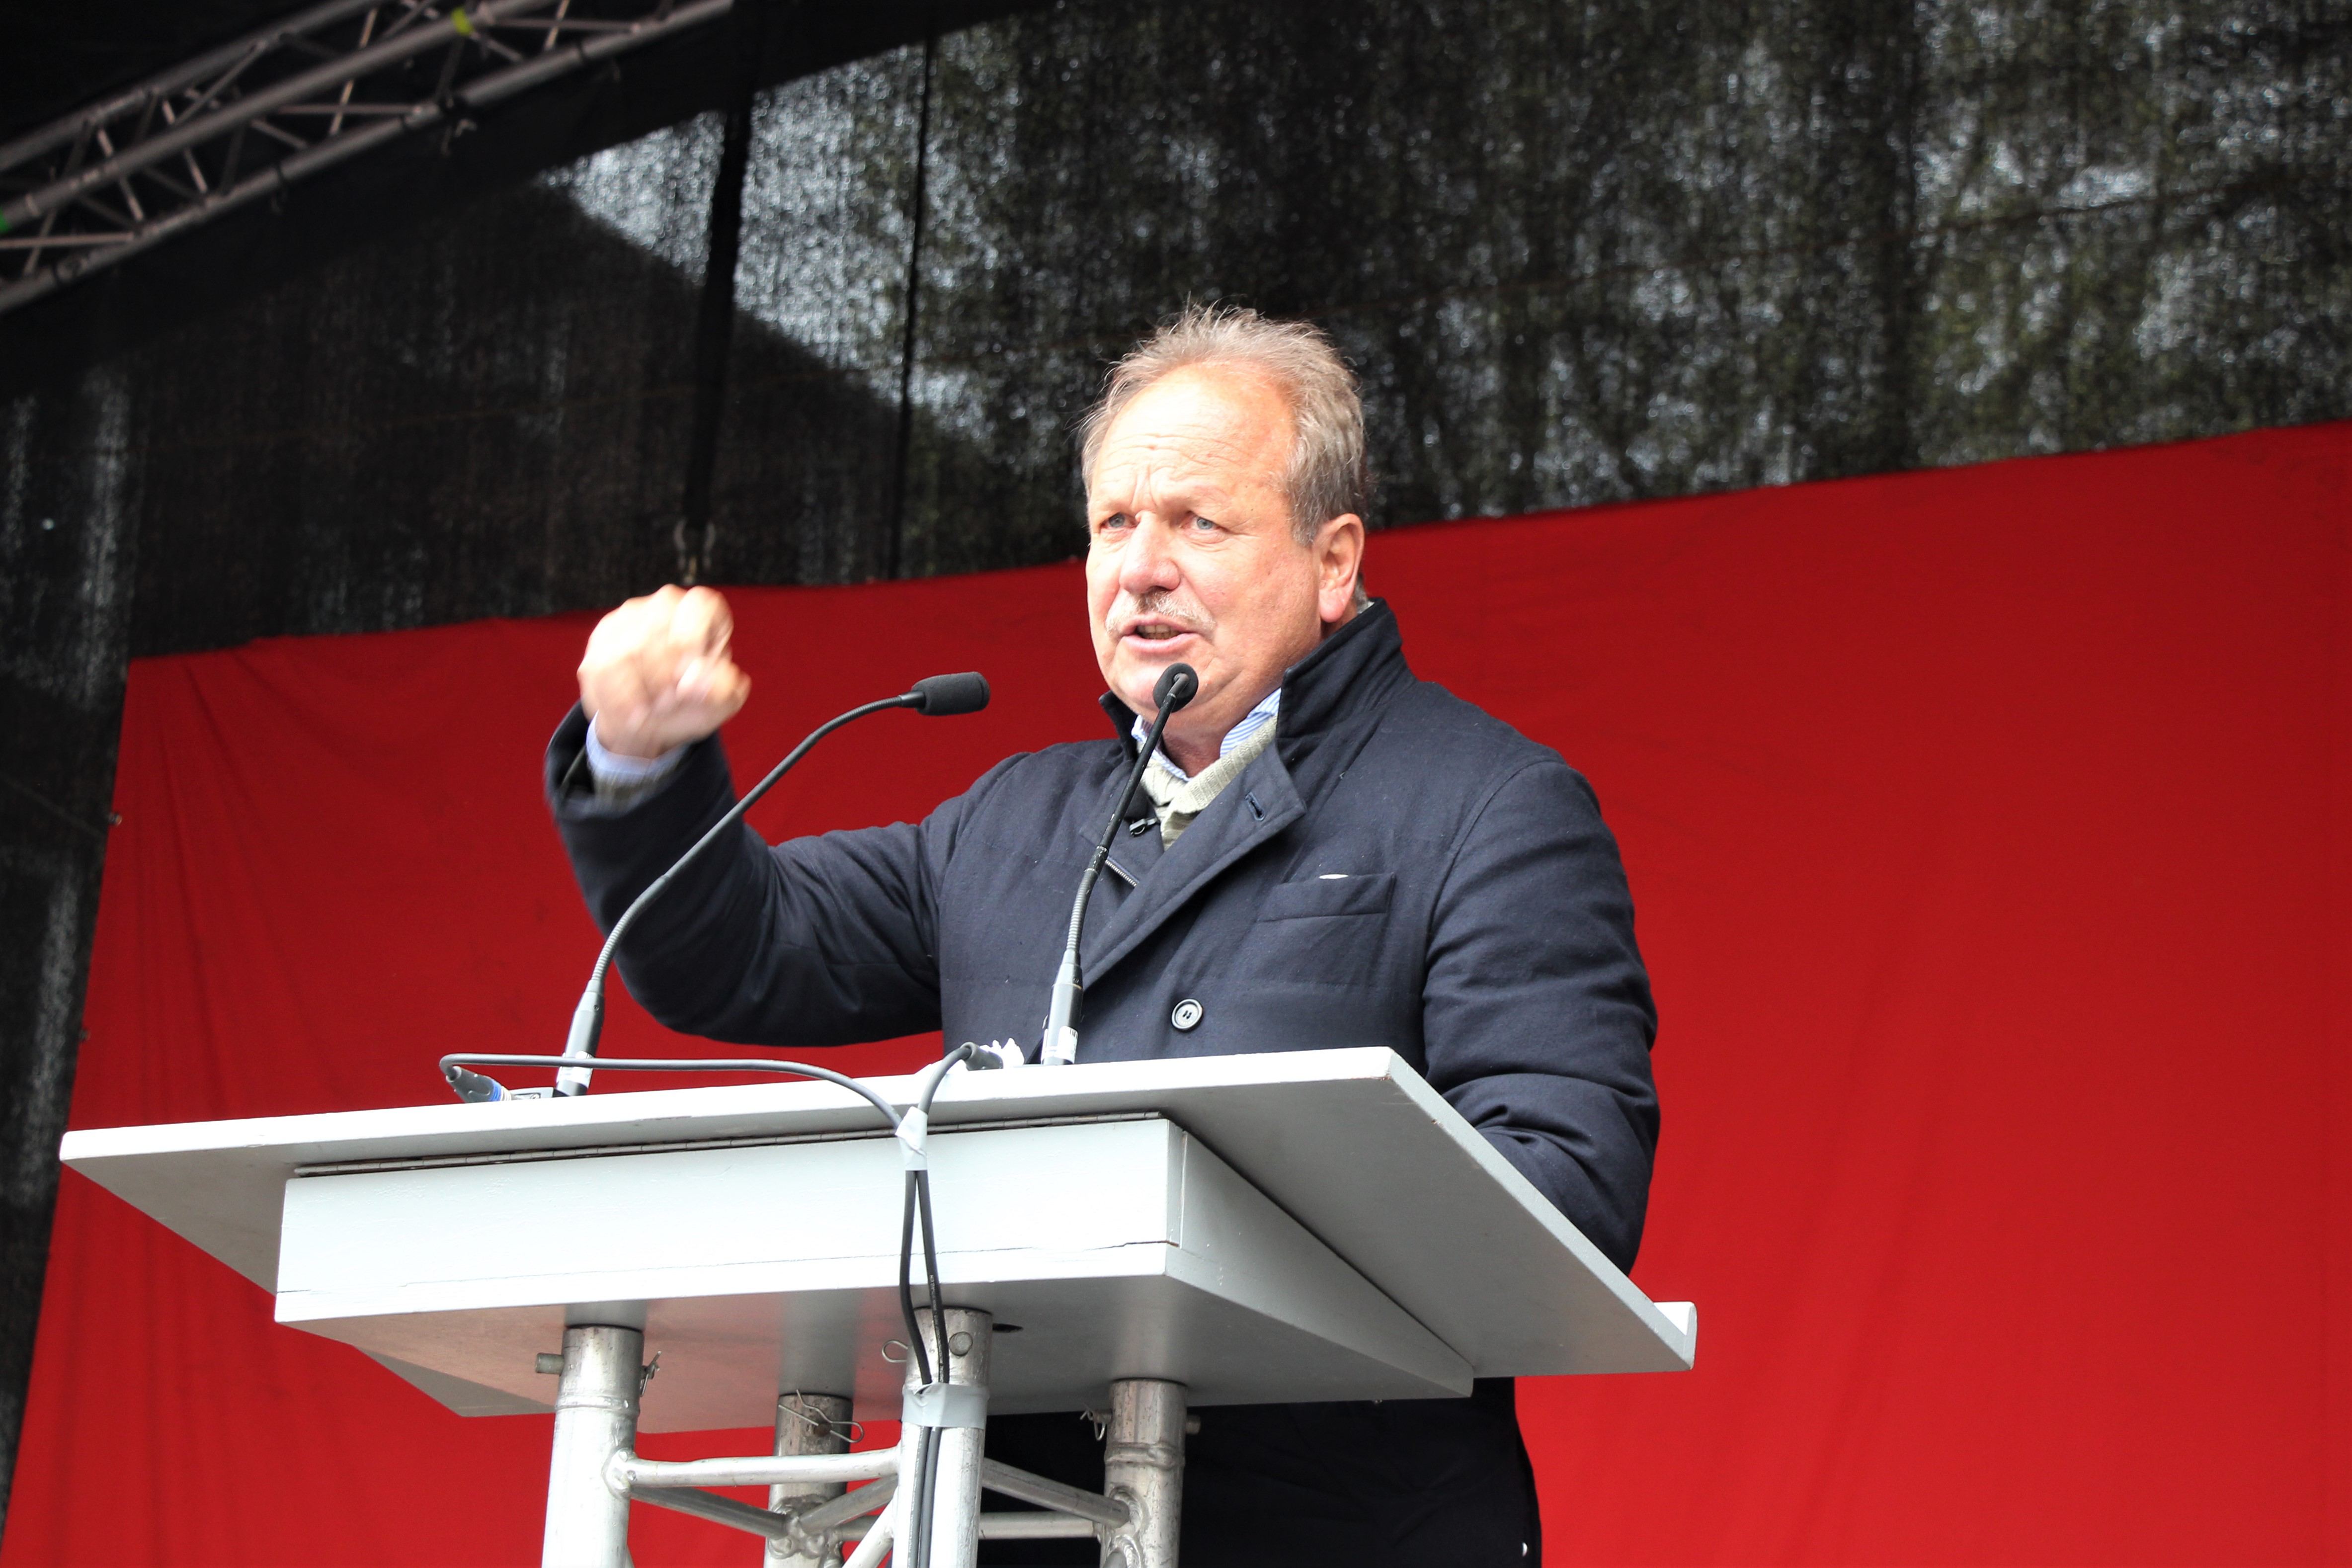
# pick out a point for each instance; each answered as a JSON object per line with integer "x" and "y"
{"x": 911, "y": 1128}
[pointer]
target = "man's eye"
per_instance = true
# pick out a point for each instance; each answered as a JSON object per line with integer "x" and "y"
{"x": 1204, "y": 524}
{"x": 1117, "y": 520}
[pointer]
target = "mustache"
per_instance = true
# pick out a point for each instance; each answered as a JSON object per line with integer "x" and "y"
{"x": 1160, "y": 604}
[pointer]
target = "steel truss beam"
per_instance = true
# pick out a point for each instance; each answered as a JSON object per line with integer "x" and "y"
{"x": 249, "y": 118}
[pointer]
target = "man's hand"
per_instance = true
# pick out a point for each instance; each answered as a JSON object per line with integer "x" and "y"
{"x": 656, "y": 674}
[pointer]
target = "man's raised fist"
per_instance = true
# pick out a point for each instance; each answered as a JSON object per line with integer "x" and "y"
{"x": 656, "y": 674}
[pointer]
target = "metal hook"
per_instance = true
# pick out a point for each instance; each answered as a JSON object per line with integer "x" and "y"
{"x": 824, "y": 1427}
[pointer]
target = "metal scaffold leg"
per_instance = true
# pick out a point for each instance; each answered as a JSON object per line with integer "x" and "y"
{"x": 595, "y": 1417}
{"x": 954, "y": 1511}
{"x": 807, "y": 1423}
{"x": 1144, "y": 1466}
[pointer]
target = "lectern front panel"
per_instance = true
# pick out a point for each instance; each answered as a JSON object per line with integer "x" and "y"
{"x": 1120, "y": 1248}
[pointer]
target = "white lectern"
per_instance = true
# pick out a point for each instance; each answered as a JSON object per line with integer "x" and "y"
{"x": 1136, "y": 1240}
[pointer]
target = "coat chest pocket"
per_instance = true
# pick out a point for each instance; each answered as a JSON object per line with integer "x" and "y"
{"x": 1314, "y": 897}
{"x": 1318, "y": 933}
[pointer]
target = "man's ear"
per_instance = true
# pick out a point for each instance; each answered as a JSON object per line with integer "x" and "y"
{"x": 1339, "y": 561}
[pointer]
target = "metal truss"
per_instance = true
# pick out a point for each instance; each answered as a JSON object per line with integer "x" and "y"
{"x": 244, "y": 121}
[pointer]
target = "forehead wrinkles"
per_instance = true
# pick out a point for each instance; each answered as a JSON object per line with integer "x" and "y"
{"x": 1187, "y": 445}
{"x": 1157, "y": 467}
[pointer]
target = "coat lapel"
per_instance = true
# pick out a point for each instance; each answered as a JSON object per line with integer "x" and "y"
{"x": 1246, "y": 812}
{"x": 1133, "y": 855}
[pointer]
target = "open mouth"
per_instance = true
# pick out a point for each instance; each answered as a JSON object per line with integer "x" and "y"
{"x": 1157, "y": 631}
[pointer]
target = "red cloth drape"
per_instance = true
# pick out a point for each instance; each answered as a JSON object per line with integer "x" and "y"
{"x": 1988, "y": 832}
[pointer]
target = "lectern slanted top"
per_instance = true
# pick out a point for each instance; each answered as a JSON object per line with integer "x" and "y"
{"x": 1314, "y": 1225}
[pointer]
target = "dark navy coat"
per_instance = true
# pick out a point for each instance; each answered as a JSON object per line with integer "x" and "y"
{"x": 1397, "y": 869}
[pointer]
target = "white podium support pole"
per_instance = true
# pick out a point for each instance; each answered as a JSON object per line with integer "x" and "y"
{"x": 595, "y": 1417}
{"x": 806, "y": 1424}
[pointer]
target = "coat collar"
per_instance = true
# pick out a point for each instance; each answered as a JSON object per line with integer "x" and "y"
{"x": 1352, "y": 674}
{"x": 1353, "y": 670}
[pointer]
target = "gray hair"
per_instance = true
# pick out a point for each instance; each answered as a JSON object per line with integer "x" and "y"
{"x": 1329, "y": 474}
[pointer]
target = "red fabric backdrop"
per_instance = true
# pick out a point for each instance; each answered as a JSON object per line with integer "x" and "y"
{"x": 1986, "y": 828}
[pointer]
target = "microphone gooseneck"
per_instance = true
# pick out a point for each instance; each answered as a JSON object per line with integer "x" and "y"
{"x": 1177, "y": 685}
{"x": 937, "y": 695}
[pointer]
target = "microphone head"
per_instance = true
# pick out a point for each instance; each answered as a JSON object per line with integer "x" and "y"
{"x": 938, "y": 696}
{"x": 1177, "y": 685}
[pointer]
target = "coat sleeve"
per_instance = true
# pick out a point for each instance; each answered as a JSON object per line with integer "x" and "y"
{"x": 815, "y": 941}
{"x": 1536, "y": 1011}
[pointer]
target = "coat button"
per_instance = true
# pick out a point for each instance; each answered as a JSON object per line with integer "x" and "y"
{"x": 1187, "y": 1014}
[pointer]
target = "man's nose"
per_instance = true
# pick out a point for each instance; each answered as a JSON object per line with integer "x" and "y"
{"x": 1148, "y": 563}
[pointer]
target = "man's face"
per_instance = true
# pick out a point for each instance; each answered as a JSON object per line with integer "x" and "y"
{"x": 1193, "y": 558}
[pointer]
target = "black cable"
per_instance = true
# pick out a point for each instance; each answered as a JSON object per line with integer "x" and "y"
{"x": 906, "y": 1280}
{"x": 922, "y": 1198}
{"x": 917, "y": 1484}
{"x": 918, "y": 1198}
{"x": 923, "y": 1204}
{"x": 931, "y": 1271}
{"x": 925, "y": 1502}
{"x": 922, "y": 1504}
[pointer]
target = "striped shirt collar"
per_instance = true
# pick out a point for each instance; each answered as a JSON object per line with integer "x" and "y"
{"x": 1257, "y": 718}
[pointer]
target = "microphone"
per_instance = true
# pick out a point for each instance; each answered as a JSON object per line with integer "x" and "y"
{"x": 944, "y": 696}
{"x": 1177, "y": 685}
{"x": 938, "y": 696}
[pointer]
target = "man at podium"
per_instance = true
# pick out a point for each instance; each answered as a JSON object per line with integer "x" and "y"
{"x": 1333, "y": 853}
